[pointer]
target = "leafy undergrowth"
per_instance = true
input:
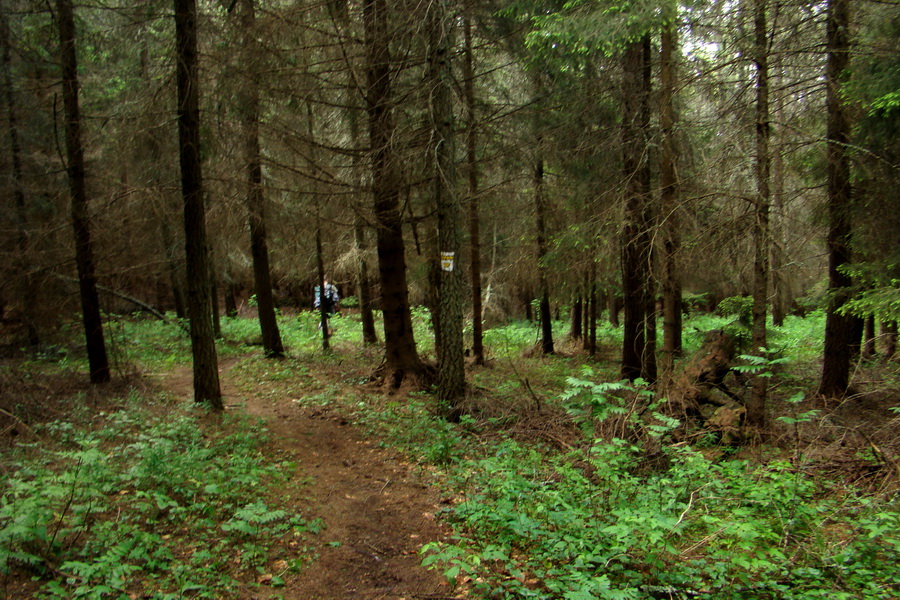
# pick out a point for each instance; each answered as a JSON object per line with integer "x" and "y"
{"x": 562, "y": 482}
{"x": 147, "y": 499}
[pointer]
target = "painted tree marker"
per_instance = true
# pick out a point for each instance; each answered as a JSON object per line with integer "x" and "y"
{"x": 447, "y": 260}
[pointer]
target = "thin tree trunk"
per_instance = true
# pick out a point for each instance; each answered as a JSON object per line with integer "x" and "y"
{"x": 576, "y": 317}
{"x": 868, "y": 350}
{"x": 614, "y": 304}
{"x": 472, "y": 171}
{"x": 586, "y": 313}
{"x": 214, "y": 303}
{"x": 173, "y": 267}
{"x": 203, "y": 347}
{"x": 539, "y": 207}
{"x": 231, "y": 292}
{"x": 259, "y": 246}
{"x": 365, "y": 289}
{"x": 756, "y": 408}
{"x": 839, "y": 328}
{"x": 84, "y": 258}
{"x": 669, "y": 196}
{"x": 779, "y": 291}
{"x": 591, "y": 333}
{"x": 401, "y": 358}
{"x": 451, "y": 371}
{"x": 29, "y": 290}
{"x": 889, "y": 332}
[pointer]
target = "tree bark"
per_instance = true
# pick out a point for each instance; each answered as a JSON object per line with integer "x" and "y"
{"x": 839, "y": 329}
{"x": 669, "y": 192}
{"x": 203, "y": 347}
{"x": 363, "y": 285}
{"x": 401, "y": 357}
{"x": 259, "y": 246}
{"x": 451, "y": 371}
{"x": 473, "y": 197}
{"x": 540, "y": 217}
{"x": 756, "y": 407}
{"x": 29, "y": 289}
{"x": 591, "y": 332}
{"x": 84, "y": 258}
{"x": 889, "y": 332}
{"x": 637, "y": 239}
{"x": 576, "y": 317}
{"x": 868, "y": 350}
{"x": 779, "y": 287}
{"x": 173, "y": 267}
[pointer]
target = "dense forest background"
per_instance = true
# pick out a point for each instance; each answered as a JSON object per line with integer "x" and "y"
{"x": 619, "y": 278}
{"x": 575, "y": 157}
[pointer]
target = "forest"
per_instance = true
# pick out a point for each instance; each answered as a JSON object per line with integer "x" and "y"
{"x": 619, "y": 288}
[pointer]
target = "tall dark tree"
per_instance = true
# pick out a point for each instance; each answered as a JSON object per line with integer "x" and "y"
{"x": 638, "y": 350}
{"x": 669, "y": 193}
{"x": 473, "y": 192}
{"x": 259, "y": 246}
{"x": 29, "y": 292}
{"x": 540, "y": 217}
{"x": 839, "y": 328}
{"x": 756, "y": 408}
{"x": 540, "y": 211}
{"x": 401, "y": 357}
{"x": 363, "y": 283}
{"x": 203, "y": 347}
{"x": 451, "y": 371}
{"x": 81, "y": 221}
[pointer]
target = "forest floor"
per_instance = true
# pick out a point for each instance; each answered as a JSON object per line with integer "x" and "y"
{"x": 376, "y": 508}
{"x": 373, "y": 477}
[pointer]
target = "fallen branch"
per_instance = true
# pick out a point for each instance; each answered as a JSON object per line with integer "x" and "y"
{"x": 137, "y": 302}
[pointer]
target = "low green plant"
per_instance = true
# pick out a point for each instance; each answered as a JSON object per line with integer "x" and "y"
{"x": 601, "y": 522}
{"x": 145, "y": 506}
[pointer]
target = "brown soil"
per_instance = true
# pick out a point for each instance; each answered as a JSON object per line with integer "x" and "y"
{"x": 377, "y": 512}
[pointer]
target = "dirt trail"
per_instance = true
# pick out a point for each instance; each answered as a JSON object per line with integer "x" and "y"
{"x": 377, "y": 513}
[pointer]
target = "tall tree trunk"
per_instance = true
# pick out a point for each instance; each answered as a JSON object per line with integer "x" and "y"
{"x": 29, "y": 290}
{"x": 540, "y": 210}
{"x": 868, "y": 350}
{"x": 637, "y": 255}
{"x": 173, "y": 266}
{"x": 614, "y": 304}
{"x": 363, "y": 285}
{"x": 473, "y": 197}
{"x": 259, "y": 247}
{"x": 889, "y": 333}
{"x": 401, "y": 358}
{"x": 203, "y": 347}
{"x": 214, "y": 303}
{"x": 451, "y": 371}
{"x": 591, "y": 333}
{"x": 84, "y": 258}
{"x": 576, "y": 316}
{"x": 756, "y": 408}
{"x": 779, "y": 291}
{"x": 669, "y": 196}
{"x": 839, "y": 329}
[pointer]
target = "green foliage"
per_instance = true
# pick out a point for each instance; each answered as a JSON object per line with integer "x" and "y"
{"x": 592, "y": 524}
{"x": 112, "y": 512}
{"x": 603, "y": 522}
{"x": 878, "y": 291}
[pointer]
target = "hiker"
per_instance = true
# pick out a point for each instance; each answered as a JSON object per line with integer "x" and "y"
{"x": 331, "y": 300}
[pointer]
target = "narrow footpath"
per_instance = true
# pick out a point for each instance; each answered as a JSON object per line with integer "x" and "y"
{"x": 376, "y": 512}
